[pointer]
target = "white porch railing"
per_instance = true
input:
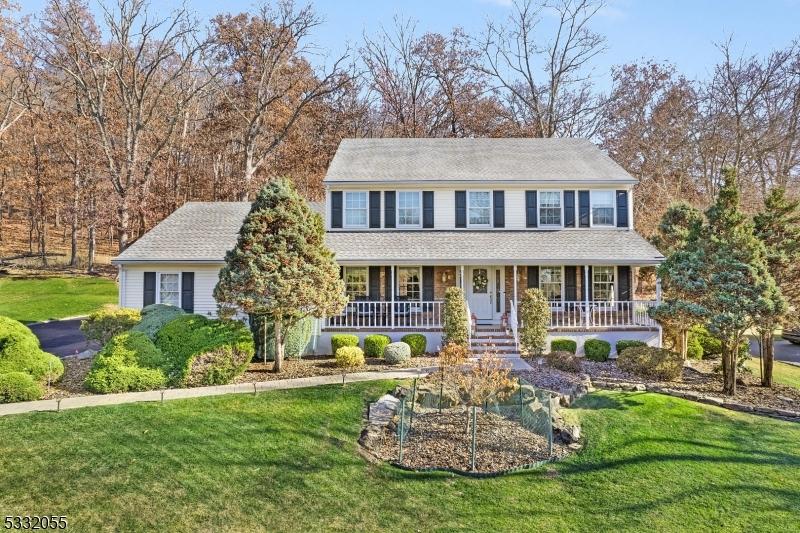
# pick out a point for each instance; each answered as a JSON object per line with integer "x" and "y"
{"x": 602, "y": 314}
{"x": 398, "y": 315}
{"x": 513, "y": 323}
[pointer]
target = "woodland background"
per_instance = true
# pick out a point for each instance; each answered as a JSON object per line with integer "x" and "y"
{"x": 110, "y": 123}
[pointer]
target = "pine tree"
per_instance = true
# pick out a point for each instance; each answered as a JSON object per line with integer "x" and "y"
{"x": 778, "y": 227}
{"x": 740, "y": 290}
{"x": 280, "y": 269}
{"x": 678, "y": 225}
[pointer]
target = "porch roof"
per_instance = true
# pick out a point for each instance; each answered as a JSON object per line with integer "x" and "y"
{"x": 562, "y": 247}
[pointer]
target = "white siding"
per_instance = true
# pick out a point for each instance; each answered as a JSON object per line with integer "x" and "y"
{"x": 515, "y": 209}
{"x": 444, "y": 209}
{"x": 205, "y": 279}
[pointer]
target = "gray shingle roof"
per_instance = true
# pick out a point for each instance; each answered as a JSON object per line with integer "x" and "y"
{"x": 595, "y": 246}
{"x": 469, "y": 160}
{"x": 196, "y": 232}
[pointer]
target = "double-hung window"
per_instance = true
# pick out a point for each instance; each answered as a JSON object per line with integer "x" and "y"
{"x": 409, "y": 283}
{"x": 479, "y": 208}
{"x": 355, "y": 209}
{"x": 550, "y": 208}
{"x": 550, "y": 282}
{"x": 355, "y": 282}
{"x": 603, "y": 283}
{"x": 602, "y": 208}
{"x": 409, "y": 208}
{"x": 169, "y": 288}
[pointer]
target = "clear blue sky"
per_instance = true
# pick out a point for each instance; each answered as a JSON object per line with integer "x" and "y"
{"x": 680, "y": 31}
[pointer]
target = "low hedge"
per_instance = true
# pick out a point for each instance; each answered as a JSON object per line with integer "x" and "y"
{"x": 418, "y": 343}
{"x": 621, "y": 345}
{"x": 712, "y": 346}
{"x": 109, "y": 321}
{"x": 650, "y": 362}
{"x": 563, "y": 345}
{"x": 154, "y": 317}
{"x": 128, "y": 362}
{"x": 341, "y": 340}
{"x": 19, "y": 387}
{"x": 694, "y": 350}
{"x": 597, "y": 350}
{"x": 397, "y": 352}
{"x": 350, "y": 357}
{"x": 374, "y": 344}
{"x": 186, "y": 337}
{"x": 566, "y": 361}
{"x": 20, "y": 352}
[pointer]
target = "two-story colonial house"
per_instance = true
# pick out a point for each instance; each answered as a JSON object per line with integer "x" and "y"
{"x": 408, "y": 218}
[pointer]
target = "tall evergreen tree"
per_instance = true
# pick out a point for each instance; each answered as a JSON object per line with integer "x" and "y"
{"x": 739, "y": 291}
{"x": 280, "y": 269}
{"x": 778, "y": 227}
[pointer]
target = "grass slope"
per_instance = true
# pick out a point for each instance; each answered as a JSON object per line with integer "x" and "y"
{"x": 782, "y": 373}
{"x": 36, "y": 299}
{"x": 287, "y": 461}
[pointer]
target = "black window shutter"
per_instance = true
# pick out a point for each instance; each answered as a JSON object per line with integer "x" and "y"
{"x": 374, "y": 209}
{"x": 583, "y": 209}
{"x": 149, "y": 295}
{"x": 533, "y": 277}
{"x": 387, "y": 283}
{"x": 569, "y": 209}
{"x": 187, "y": 292}
{"x": 530, "y": 209}
{"x": 427, "y": 209}
{"x": 591, "y": 283}
{"x": 389, "y": 218}
{"x": 461, "y": 209}
{"x": 336, "y": 209}
{"x": 374, "y": 283}
{"x": 570, "y": 283}
{"x": 622, "y": 209}
{"x": 624, "y": 283}
{"x": 499, "y": 202}
{"x": 427, "y": 283}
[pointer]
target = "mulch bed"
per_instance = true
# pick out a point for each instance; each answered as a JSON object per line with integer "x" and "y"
{"x": 323, "y": 365}
{"x": 442, "y": 441}
{"x": 699, "y": 377}
{"x": 71, "y": 383}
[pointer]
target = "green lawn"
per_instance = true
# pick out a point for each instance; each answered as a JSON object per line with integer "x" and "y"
{"x": 782, "y": 373}
{"x": 287, "y": 461}
{"x": 36, "y": 299}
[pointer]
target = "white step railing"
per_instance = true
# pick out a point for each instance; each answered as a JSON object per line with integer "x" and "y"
{"x": 513, "y": 323}
{"x": 398, "y": 315}
{"x": 602, "y": 314}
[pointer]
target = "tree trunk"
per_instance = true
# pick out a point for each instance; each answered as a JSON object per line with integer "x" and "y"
{"x": 278, "y": 365}
{"x": 124, "y": 214}
{"x": 728, "y": 369}
{"x": 91, "y": 233}
{"x": 767, "y": 358}
{"x": 684, "y": 343}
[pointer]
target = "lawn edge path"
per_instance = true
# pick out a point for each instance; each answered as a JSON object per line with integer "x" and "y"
{"x": 77, "y": 402}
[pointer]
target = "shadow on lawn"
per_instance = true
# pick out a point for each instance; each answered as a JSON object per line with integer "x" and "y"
{"x": 617, "y": 401}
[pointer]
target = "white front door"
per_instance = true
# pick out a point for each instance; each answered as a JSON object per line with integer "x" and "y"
{"x": 483, "y": 292}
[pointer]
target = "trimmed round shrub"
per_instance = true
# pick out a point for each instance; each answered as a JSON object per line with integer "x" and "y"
{"x": 374, "y": 345}
{"x": 20, "y": 352}
{"x": 154, "y": 317}
{"x": 694, "y": 350}
{"x": 566, "y": 361}
{"x": 341, "y": 340}
{"x": 19, "y": 387}
{"x": 397, "y": 352}
{"x": 650, "y": 362}
{"x": 295, "y": 340}
{"x": 712, "y": 346}
{"x": 128, "y": 362}
{"x": 109, "y": 321}
{"x": 350, "y": 357}
{"x": 563, "y": 345}
{"x": 418, "y": 343}
{"x": 597, "y": 350}
{"x": 622, "y": 345}
{"x": 188, "y": 336}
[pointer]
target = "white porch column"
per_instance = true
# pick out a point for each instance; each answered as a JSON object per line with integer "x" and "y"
{"x": 462, "y": 278}
{"x": 587, "y": 311}
{"x": 658, "y": 289}
{"x": 516, "y": 304}
{"x": 391, "y": 313}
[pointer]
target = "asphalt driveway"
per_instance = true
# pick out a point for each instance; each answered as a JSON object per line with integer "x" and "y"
{"x": 61, "y": 337}
{"x": 784, "y": 350}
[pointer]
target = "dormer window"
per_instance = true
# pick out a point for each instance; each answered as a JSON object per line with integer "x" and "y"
{"x": 602, "y": 208}
{"x": 409, "y": 209}
{"x": 355, "y": 209}
{"x": 550, "y": 208}
{"x": 479, "y": 208}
